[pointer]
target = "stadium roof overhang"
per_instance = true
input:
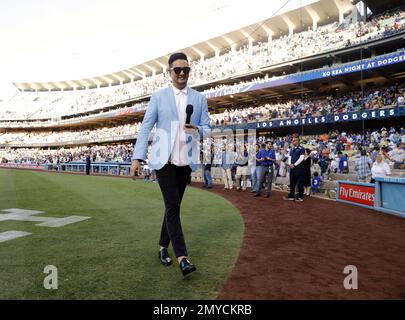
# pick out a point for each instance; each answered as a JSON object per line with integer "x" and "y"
{"x": 379, "y": 6}
{"x": 322, "y": 11}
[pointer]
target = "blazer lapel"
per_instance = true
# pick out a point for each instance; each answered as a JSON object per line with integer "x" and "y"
{"x": 172, "y": 102}
{"x": 191, "y": 100}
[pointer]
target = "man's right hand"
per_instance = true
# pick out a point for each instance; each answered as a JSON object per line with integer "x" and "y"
{"x": 136, "y": 167}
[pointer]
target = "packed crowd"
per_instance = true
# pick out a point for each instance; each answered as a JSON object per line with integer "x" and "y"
{"x": 372, "y": 154}
{"x": 38, "y": 137}
{"x": 310, "y": 106}
{"x": 315, "y": 106}
{"x": 288, "y": 47}
{"x": 38, "y": 156}
{"x": 329, "y": 153}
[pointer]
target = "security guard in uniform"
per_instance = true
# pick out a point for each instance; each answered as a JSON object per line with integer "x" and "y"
{"x": 88, "y": 163}
{"x": 297, "y": 171}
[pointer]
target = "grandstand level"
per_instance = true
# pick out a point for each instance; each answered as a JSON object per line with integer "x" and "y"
{"x": 330, "y": 71}
{"x": 349, "y": 66}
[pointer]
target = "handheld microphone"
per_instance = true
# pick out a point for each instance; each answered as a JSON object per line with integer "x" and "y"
{"x": 189, "y": 112}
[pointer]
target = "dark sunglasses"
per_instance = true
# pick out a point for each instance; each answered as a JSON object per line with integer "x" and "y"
{"x": 178, "y": 70}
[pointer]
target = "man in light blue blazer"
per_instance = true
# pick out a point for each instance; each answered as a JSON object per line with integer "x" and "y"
{"x": 175, "y": 151}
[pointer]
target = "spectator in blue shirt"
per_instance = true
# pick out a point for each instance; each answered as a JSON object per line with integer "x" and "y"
{"x": 316, "y": 182}
{"x": 343, "y": 163}
{"x": 260, "y": 158}
{"x": 266, "y": 171}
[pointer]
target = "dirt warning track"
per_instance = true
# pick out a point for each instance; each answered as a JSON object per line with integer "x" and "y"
{"x": 295, "y": 250}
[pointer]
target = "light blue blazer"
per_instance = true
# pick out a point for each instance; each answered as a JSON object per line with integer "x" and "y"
{"x": 162, "y": 111}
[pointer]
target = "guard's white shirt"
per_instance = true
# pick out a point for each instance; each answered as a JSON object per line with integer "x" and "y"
{"x": 179, "y": 155}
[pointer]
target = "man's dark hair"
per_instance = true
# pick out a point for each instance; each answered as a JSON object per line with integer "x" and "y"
{"x": 316, "y": 174}
{"x": 177, "y": 56}
{"x": 263, "y": 145}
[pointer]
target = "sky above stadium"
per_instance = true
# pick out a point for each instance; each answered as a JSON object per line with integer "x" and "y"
{"x": 51, "y": 40}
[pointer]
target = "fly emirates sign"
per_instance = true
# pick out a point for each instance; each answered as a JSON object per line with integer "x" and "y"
{"x": 357, "y": 194}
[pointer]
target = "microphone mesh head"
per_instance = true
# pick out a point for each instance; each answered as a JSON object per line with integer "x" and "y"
{"x": 189, "y": 109}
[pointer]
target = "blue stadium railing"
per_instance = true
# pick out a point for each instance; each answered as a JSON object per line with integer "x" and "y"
{"x": 108, "y": 168}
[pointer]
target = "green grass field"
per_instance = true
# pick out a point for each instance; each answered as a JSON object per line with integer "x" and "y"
{"x": 113, "y": 255}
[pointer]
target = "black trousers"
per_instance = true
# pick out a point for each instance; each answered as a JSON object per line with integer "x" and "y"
{"x": 172, "y": 182}
{"x": 297, "y": 176}
{"x": 266, "y": 177}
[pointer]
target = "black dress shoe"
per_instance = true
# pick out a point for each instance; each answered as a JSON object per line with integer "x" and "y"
{"x": 288, "y": 198}
{"x": 164, "y": 257}
{"x": 186, "y": 267}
